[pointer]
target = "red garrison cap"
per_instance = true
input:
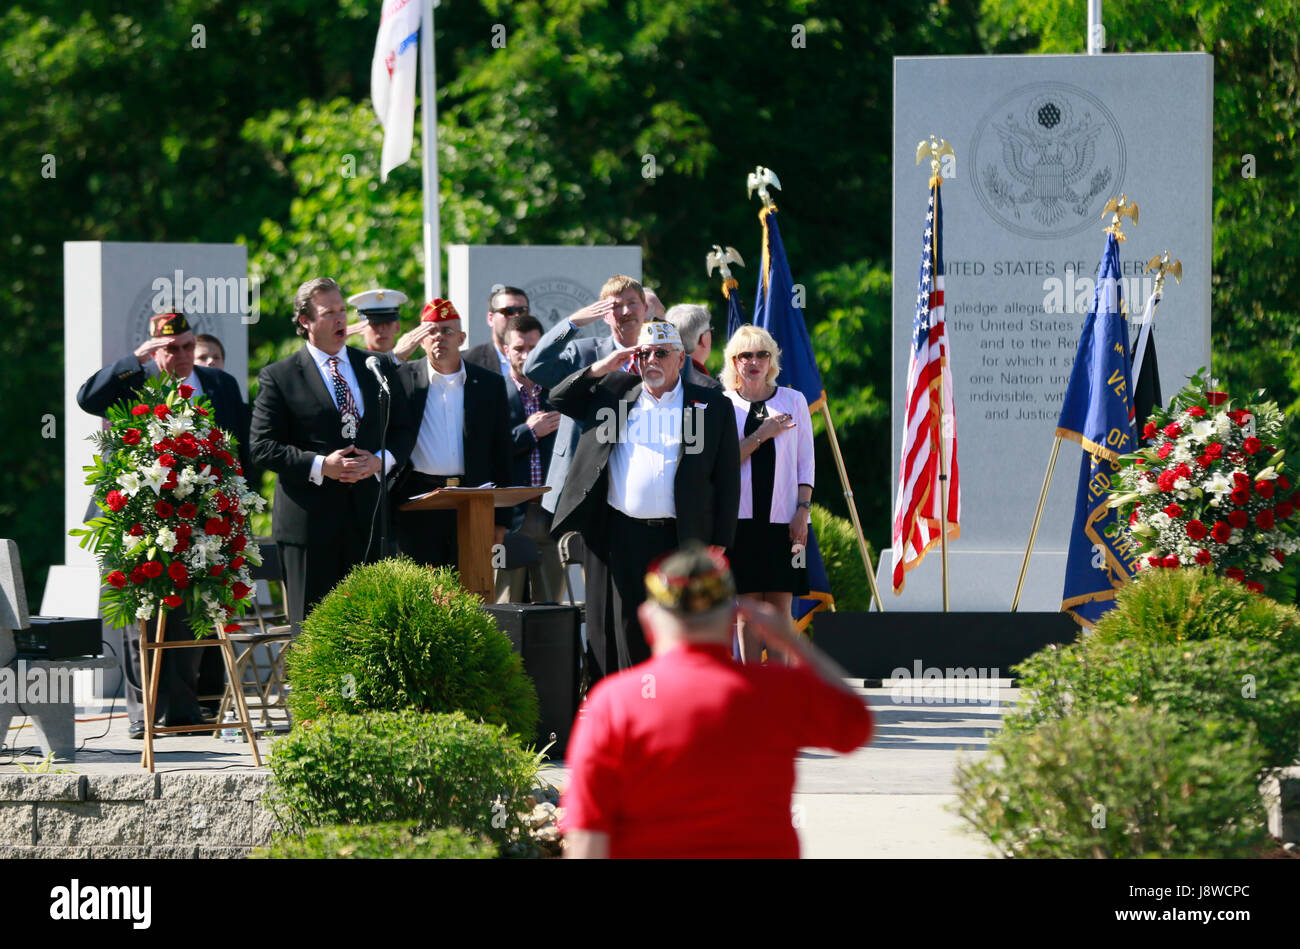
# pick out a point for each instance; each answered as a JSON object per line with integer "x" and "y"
{"x": 438, "y": 310}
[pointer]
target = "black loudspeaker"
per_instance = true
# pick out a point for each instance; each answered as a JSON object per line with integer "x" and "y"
{"x": 547, "y": 639}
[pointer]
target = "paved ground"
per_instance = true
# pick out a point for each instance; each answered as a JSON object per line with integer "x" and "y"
{"x": 886, "y": 800}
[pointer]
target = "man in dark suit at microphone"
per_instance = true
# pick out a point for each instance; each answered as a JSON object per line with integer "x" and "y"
{"x": 317, "y": 423}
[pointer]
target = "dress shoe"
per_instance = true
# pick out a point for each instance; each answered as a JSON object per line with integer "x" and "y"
{"x": 135, "y": 730}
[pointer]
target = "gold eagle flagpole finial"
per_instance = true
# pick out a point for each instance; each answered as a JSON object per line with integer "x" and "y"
{"x": 936, "y": 148}
{"x": 1120, "y": 207}
{"x": 719, "y": 258}
{"x": 1162, "y": 265}
{"x": 760, "y": 178}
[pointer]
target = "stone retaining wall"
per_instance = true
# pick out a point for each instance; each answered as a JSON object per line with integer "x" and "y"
{"x": 166, "y": 815}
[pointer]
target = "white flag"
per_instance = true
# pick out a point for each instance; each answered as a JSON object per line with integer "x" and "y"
{"x": 392, "y": 79}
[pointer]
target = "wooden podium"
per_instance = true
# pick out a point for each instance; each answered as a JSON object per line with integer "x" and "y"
{"x": 475, "y": 527}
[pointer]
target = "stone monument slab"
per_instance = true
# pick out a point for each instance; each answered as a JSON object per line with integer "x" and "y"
{"x": 1042, "y": 143}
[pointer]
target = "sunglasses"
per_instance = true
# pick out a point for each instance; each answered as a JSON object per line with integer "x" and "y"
{"x": 513, "y": 310}
{"x": 746, "y": 357}
{"x": 660, "y": 354}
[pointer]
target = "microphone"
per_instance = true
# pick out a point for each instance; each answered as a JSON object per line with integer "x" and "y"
{"x": 372, "y": 363}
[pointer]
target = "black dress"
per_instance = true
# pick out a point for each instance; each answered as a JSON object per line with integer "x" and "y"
{"x": 761, "y": 556}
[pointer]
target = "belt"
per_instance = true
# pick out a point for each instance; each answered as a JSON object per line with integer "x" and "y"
{"x": 647, "y": 521}
{"x": 436, "y": 481}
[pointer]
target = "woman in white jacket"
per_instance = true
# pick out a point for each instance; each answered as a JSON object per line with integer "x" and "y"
{"x": 776, "y": 476}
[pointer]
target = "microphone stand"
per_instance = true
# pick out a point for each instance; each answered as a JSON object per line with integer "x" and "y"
{"x": 385, "y": 402}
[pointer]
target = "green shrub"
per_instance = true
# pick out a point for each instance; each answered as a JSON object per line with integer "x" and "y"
{"x": 379, "y": 842}
{"x": 439, "y": 770}
{"x": 395, "y": 635}
{"x": 1238, "y": 683}
{"x": 1171, "y": 606}
{"x": 838, "y": 544}
{"x": 1130, "y": 783}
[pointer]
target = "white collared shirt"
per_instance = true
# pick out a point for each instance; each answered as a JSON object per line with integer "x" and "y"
{"x": 501, "y": 358}
{"x": 643, "y": 463}
{"x": 440, "y": 448}
{"x": 322, "y": 360}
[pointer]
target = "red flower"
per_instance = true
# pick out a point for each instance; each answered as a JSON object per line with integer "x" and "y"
{"x": 182, "y": 545}
{"x": 1279, "y": 556}
{"x": 236, "y": 563}
{"x": 1254, "y": 587}
{"x": 116, "y": 500}
{"x": 1264, "y": 489}
{"x": 167, "y": 461}
{"x": 1149, "y": 431}
{"x": 238, "y": 542}
{"x": 226, "y": 457}
{"x": 1216, "y": 398}
{"x": 140, "y": 410}
{"x": 1251, "y": 445}
{"x": 1238, "y": 519}
{"x": 117, "y": 578}
{"x": 1283, "y": 483}
{"x": 1166, "y": 480}
{"x": 1265, "y": 519}
{"x": 1220, "y": 532}
{"x": 236, "y": 519}
{"x": 163, "y": 509}
{"x": 137, "y": 530}
{"x": 1240, "y": 480}
{"x": 1240, "y": 496}
{"x": 1284, "y": 510}
{"x": 223, "y": 502}
{"x": 1171, "y": 560}
{"x": 201, "y": 410}
{"x": 182, "y": 584}
{"x": 173, "y": 601}
{"x": 186, "y": 391}
{"x": 1182, "y": 471}
{"x": 138, "y": 575}
{"x": 177, "y": 571}
{"x": 1235, "y": 573}
{"x": 184, "y": 530}
{"x": 1214, "y": 449}
{"x": 1243, "y": 418}
{"x": 215, "y": 436}
{"x": 215, "y": 569}
{"x": 216, "y": 525}
{"x": 1155, "y": 561}
{"x": 1173, "y": 430}
{"x": 1205, "y": 461}
{"x": 1196, "y": 530}
{"x": 131, "y": 436}
{"x": 1164, "y": 450}
{"x": 1173, "y": 510}
{"x": 161, "y": 411}
{"x": 187, "y": 511}
{"x": 1136, "y": 461}
{"x": 172, "y": 480}
{"x": 152, "y": 569}
{"x": 230, "y": 628}
{"x": 1203, "y": 558}
{"x": 240, "y": 590}
{"x": 1196, "y": 412}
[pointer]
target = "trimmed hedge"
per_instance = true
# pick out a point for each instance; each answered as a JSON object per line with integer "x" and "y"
{"x": 438, "y": 770}
{"x": 1134, "y": 782}
{"x": 397, "y": 841}
{"x": 395, "y": 635}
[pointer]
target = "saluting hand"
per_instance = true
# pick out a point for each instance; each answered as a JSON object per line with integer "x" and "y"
{"x": 410, "y": 341}
{"x": 615, "y": 360}
{"x": 592, "y": 312}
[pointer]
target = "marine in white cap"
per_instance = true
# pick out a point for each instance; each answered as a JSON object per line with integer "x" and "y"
{"x": 379, "y": 319}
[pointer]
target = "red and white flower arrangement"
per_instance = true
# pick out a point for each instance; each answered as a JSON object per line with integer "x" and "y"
{"x": 1209, "y": 489}
{"x": 175, "y": 524}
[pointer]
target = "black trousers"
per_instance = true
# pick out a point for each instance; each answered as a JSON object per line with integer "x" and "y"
{"x": 634, "y": 545}
{"x": 428, "y": 537}
{"x": 178, "y": 702}
{"x": 311, "y": 571}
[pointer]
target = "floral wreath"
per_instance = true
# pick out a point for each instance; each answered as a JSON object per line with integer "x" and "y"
{"x": 1208, "y": 489}
{"x": 174, "y": 529}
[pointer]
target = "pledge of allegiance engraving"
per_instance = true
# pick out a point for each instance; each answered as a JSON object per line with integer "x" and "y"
{"x": 1045, "y": 158}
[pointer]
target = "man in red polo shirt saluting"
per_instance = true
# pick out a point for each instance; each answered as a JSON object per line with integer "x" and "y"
{"x": 690, "y": 754}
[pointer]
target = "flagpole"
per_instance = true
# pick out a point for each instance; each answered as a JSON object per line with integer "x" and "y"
{"x": 852, "y": 505}
{"x": 943, "y": 501}
{"x": 1160, "y": 263}
{"x": 429, "y": 145}
{"x": 1038, "y": 516}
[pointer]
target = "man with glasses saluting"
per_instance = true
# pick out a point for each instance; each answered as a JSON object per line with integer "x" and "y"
{"x": 658, "y": 465}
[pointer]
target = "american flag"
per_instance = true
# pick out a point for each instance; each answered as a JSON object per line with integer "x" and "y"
{"x": 929, "y": 401}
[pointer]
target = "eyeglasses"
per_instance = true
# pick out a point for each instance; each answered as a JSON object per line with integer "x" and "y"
{"x": 659, "y": 354}
{"x": 746, "y": 357}
{"x": 444, "y": 330}
{"x": 513, "y": 310}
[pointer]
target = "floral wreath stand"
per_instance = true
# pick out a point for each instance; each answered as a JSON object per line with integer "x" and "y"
{"x": 149, "y": 675}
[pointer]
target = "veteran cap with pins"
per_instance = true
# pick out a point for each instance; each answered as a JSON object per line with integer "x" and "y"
{"x": 378, "y": 306}
{"x": 168, "y": 324}
{"x": 438, "y": 310}
{"x": 659, "y": 333}
{"x": 691, "y": 580}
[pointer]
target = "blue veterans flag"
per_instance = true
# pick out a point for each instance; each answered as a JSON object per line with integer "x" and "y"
{"x": 776, "y": 312}
{"x": 735, "y": 310}
{"x": 1098, "y": 414}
